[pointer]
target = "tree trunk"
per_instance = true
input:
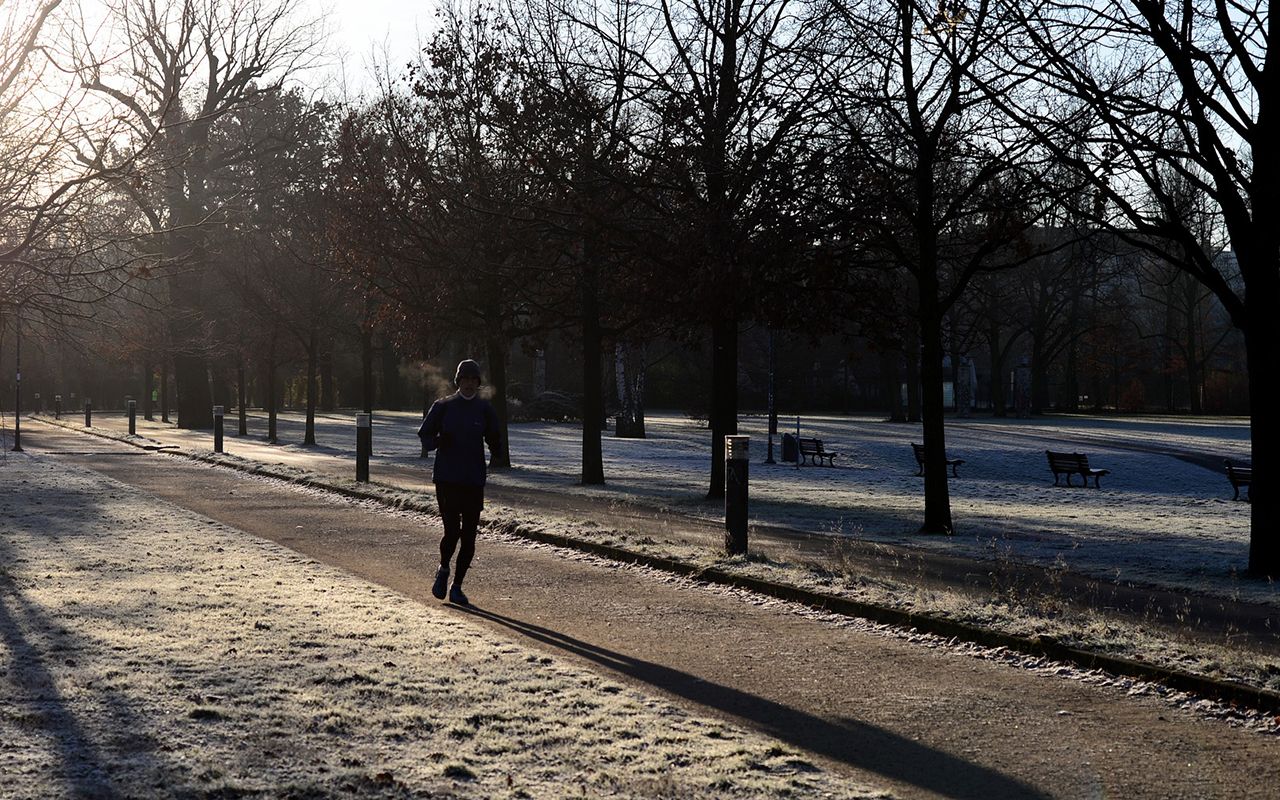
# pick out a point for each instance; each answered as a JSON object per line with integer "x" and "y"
{"x": 724, "y": 395}
{"x": 593, "y": 411}
{"x": 1070, "y": 400}
{"x": 1195, "y": 366}
{"x": 890, "y": 369}
{"x": 221, "y": 391}
{"x": 997, "y": 371}
{"x": 269, "y": 377}
{"x": 366, "y": 368}
{"x": 1039, "y": 376}
{"x": 242, "y": 396}
{"x": 951, "y": 346}
{"x": 539, "y": 371}
{"x": 328, "y": 393}
{"x": 1264, "y": 428}
{"x": 497, "y": 350}
{"x": 912, "y": 355}
{"x": 392, "y": 396}
{"x": 313, "y": 368}
{"x": 1071, "y": 379}
{"x": 773, "y": 387}
{"x": 195, "y": 401}
{"x": 148, "y": 382}
{"x": 937, "y": 497}
{"x": 164, "y": 390}
{"x": 1168, "y": 347}
{"x": 184, "y": 243}
{"x": 629, "y": 360}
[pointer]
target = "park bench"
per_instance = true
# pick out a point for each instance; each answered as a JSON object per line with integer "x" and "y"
{"x": 1073, "y": 464}
{"x": 1239, "y": 476}
{"x": 812, "y": 449}
{"x": 951, "y": 462}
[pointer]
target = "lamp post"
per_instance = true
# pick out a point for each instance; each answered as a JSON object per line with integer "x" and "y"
{"x": 17, "y": 382}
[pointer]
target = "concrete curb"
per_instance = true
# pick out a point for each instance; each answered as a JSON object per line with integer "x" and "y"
{"x": 1229, "y": 692}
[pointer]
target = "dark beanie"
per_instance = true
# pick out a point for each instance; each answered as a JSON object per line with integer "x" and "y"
{"x": 467, "y": 369}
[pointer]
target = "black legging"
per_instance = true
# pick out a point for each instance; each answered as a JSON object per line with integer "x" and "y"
{"x": 460, "y": 507}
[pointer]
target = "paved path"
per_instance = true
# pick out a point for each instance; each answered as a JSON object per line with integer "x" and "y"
{"x": 925, "y": 722}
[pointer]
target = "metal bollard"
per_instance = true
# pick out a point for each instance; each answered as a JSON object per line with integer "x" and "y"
{"x": 217, "y": 429}
{"x": 364, "y": 446}
{"x": 735, "y": 493}
{"x": 88, "y": 412}
{"x": 133, "y": 417}
{"x": 57, "y": 406}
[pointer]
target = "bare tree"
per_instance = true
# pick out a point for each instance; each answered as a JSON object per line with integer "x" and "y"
{"x": 55, "y": 161}
{"x": 727, "y": 97}
{"x": 955, "y": 187}
{"x": 600, "y": 210}
{"x": 1155, "y": 98}
{"x": 177, "y": 68}
{"x": 278, "y": 259}
{"x": 61, "y": 238}
{"x": 437, "y": 200}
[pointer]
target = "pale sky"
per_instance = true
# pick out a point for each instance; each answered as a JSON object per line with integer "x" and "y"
{"x": 365, "y": 27}
{"x": 363, "y": 32}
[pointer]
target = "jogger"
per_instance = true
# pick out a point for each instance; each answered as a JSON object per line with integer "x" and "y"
{"x": 458, "y": 427}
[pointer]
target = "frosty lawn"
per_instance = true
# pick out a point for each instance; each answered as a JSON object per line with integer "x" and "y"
{"x": 1157, "y": 519}
{"x": 145, "y": 651}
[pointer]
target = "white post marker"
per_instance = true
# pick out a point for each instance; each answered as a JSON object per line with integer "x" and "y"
{"x": 217, "y": 429}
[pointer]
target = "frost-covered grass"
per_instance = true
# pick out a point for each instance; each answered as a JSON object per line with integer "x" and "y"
{"x": 148, "y": 652}
{"x": 1157, "y": 519}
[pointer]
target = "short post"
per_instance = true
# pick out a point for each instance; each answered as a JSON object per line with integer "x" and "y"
{"x": 133, "y": 417}
{"x": 364, "y": 444}
{"x": 735, "y": 493}
{"x": 57, "y": 406}
{"x": 88, "y": 412}
{"x": 217, "y": 429}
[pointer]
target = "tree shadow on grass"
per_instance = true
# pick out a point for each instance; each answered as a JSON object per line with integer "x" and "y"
{"x": 849, "y": 741}
{"x": 36, "y": 701}
{"x": 75, "y": 757}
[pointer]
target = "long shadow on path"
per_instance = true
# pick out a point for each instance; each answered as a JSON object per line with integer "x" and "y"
{"x": 849, "y": 741}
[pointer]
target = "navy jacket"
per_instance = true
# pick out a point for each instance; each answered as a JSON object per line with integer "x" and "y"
{"x": 457, "y": 429}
